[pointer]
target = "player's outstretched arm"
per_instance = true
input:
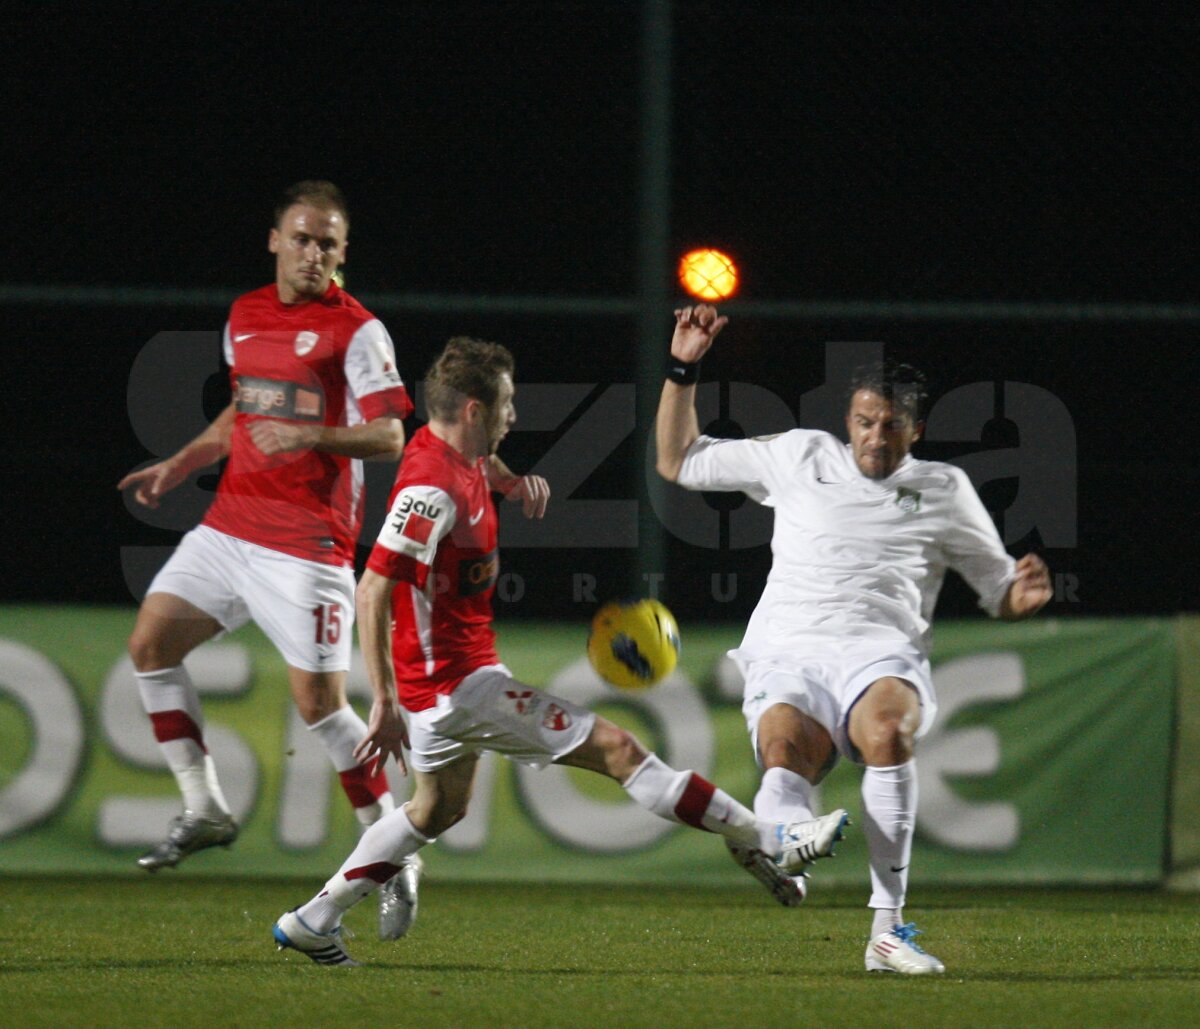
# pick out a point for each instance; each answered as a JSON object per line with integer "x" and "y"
{"x": 381, "y": 439}
{"x": 386, "y": 731}
{"x": 676, "y": 427}
{"x": 163, "y": 476}
{"x": 1029, "y": 591}
{"x": 532, "y": 492}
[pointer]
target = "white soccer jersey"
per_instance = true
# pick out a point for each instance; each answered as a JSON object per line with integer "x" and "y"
{"x": 855, "y": 559}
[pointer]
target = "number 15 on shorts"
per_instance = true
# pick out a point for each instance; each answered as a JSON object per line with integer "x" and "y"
{"x": 329, "y": 623}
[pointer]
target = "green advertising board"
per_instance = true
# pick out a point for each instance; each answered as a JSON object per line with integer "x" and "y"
{"x": 1049, "y": 762}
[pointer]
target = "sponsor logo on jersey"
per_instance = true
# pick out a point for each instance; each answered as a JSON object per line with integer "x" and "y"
{"x": 278, "y": 399}
{"x": 417, "y": 528}
{"x": 908, "y": 500}
{"x": 305, "y": 341}
{"x": 308, "y": 403}
{"x": 477, "y": 574}
{"x": 414, "y": 519}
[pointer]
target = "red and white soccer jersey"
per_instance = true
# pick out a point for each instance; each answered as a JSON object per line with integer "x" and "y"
{"x": 439, "y": 543}
{"x": 328, "y": 361}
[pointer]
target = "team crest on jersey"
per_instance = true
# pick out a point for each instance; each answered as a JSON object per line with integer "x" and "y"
{"x": 305, "y": 341}
{"x": 908, "y": 500}
{"x": 556, "y": 719}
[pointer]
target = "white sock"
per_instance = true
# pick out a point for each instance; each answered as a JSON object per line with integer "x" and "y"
{"x": 783, "y": 796}
{"x": 339, "y": 733}
{"x": 889, "y": 819}
{"x": 173, "y": 705}
{"x": 379, "y": 854}
{"x": 688, "y": 798}
{"x": 885, "y": 920}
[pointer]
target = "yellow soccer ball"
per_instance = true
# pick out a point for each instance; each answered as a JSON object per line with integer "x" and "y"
{"x": 633, "y": 644}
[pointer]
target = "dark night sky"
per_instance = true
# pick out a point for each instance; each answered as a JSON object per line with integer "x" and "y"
{"x": 993, "y": 153}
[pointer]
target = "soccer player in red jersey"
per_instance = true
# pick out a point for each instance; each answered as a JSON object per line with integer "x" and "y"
{"x": 432, "y": 573}
{"x": 315, "y": 389}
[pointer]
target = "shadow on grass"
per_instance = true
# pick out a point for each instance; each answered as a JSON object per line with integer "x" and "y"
{"x": 174, "y": 966}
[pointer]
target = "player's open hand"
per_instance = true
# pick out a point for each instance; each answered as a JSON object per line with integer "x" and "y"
{"x": 695, "y": 329}
{"x": 272, "y": 436}
{"x": 1030, "y": 590}
{"x": 152, "y": 482}
{"x": 532, "y": 492}
{"x": 386, "y": 735}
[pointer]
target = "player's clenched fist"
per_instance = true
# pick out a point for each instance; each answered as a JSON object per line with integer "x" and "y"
{"x": 695, "y": 329}
{"x": 275, "y": 437}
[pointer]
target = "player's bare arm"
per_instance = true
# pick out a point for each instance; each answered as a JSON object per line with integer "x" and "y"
{"x": 380, "y": 439}
{"x": 532, "y": 492}
{"x": 163, "y": 476}
{"x": 386, "y": 730}
{"x": 676, "y": 427}
{"x": 1029, "y": 591}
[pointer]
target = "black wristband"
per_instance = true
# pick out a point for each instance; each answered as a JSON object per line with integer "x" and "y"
{"x": 684, "y": 373}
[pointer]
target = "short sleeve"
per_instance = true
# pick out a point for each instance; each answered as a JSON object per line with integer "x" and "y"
{"x": 419, "y": 519}
{"x": 370, "y": 366}
{"x": 973, "y": 548}
{"x": 728, "y": 465}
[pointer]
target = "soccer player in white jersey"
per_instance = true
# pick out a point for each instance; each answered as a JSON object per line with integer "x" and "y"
{"x": 835, "y": 657}
{"x": 315, "y": 390}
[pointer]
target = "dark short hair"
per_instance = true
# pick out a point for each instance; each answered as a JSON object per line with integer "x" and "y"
{"x": 466, "y": 369}
{"x": 318, "y": 193}
{"x": 902, "y": 385}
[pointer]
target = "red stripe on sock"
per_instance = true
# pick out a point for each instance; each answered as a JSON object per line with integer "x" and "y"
{"x": 695, "y": 800}
{"x": 363, "y": 789}
{"x": 176, "y": 725}
{"x": 380, "y": 871}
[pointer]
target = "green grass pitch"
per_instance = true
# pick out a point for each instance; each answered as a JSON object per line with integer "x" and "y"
{"x": 174, "y": 952}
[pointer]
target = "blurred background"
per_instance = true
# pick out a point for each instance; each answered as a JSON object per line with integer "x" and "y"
{"x": 1002, "y": 195}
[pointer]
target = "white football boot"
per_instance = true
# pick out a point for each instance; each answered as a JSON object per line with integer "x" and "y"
{"x": 290, "y": 932}
{"x": 802, "y": 843}
{"x": 895, "y": 951}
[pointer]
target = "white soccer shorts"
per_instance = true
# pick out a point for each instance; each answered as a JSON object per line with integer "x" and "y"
{"x": 490, "y": 710}
{"x": 826, "y": 686}
{"x": 304, "y": 607}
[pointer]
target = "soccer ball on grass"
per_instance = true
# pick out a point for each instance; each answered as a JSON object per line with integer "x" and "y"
{"x": 633, "y": 644}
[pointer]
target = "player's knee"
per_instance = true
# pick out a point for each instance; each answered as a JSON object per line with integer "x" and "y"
{"x": 784, "y": 753}
{"x": 612, "y": 751}
{"x": 150, "y": 652}
{"x": 623, "y": 752}
{"x": 888, "y": 740}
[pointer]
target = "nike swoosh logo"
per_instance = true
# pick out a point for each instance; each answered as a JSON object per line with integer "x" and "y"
{"x": 244, "y": 335}
{"x": 474, "y": 519}
{"x": 828, "y": 482}
{"x": 895, "y": 869}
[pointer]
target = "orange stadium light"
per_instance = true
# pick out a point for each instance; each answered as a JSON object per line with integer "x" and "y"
{"x": 708, "y": 274}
